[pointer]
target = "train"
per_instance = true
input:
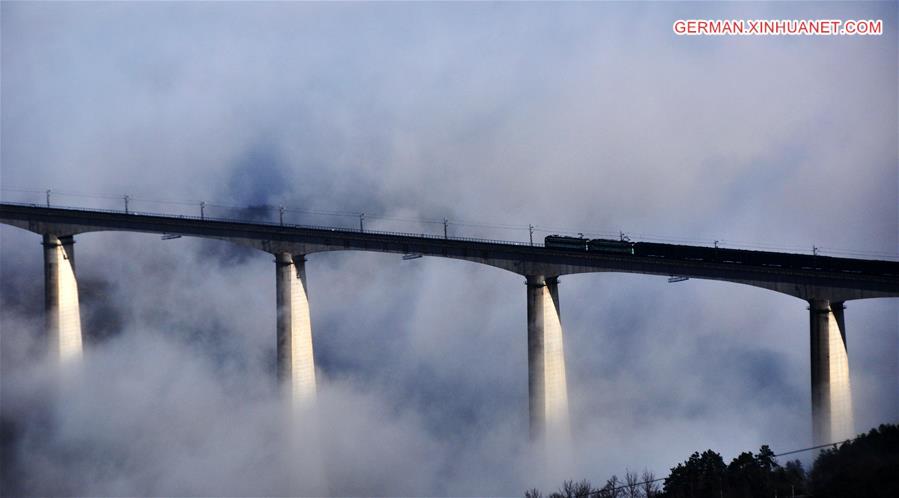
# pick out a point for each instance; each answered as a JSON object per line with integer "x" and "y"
{"x": 721, "y": 255}
{"x": 582, "y": 244}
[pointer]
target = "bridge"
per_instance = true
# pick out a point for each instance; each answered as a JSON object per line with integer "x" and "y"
{"x": 826, "y": 283}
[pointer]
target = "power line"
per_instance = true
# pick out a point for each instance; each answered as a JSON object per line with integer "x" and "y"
{"x": 791, "y": 452}
{"x": 810, "y": 448}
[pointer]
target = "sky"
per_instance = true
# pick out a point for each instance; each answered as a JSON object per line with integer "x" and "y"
{"x": 573, "y": 117}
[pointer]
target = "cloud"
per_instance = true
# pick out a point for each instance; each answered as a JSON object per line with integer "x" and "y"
{"x": 593, "y": 117}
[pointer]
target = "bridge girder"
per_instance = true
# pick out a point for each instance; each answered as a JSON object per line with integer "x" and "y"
{"x": 517, "y": 258}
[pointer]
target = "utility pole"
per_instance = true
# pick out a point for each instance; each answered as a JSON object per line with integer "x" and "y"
{"x": 361, "y": 222}
{"x": 445, "y": 228}
{"x": 281, "y": 215}
{"x": 814, "y": 250}
{"x": 202, "y": 210}
{"x": 531, "y": 230}
{"x": 127, "y": 198}
{"x": 48, "y": 197}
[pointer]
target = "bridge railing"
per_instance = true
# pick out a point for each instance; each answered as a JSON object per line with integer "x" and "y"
{"x": 422, "y": 235}
{"x": 278, "y": 224}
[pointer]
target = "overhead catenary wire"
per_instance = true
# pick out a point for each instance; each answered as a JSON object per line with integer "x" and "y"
{"x": 201, "y": 205}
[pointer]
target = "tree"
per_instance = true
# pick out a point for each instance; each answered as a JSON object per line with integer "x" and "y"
{"x": 747, "y": 476}
{"x": 701, "y": 476}
{"x": 582, "y": 489}
{"x": 650, "y": 487}
{"x": 533, "y": 493}
{"x": 867, "y": 466}
{"x": 632, "y": 484}
{"x": 611, "y": 488}
{"x": 791, "y": 479}
{"x": 571, "y": 489}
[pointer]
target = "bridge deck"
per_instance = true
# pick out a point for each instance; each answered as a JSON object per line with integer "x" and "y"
{"x": 803, "y": 276}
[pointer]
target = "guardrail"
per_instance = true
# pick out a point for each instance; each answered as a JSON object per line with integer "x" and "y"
{"x": 869, "y": 256}
{"x": 276, "y": 225}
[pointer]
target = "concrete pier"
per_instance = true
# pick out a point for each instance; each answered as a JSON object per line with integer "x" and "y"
{"x": 825, "y": 283}
{"x": 831, "y": 393}
{"x": 63, "y": 315}
{"x": 547, "y": 386}
{"x": 296, "y": 363}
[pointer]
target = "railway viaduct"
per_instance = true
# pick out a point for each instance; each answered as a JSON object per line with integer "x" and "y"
{"x": 825, "y": 290}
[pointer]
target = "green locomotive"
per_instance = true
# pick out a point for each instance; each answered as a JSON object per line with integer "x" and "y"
{"x": 590, "y": 245}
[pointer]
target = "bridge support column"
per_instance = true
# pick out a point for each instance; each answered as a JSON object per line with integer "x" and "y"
{"x": 296, "y": 364}
{"x": 831, "y": 393}
{"x": 63, "y": 314}
{"x": 547, "y": 386}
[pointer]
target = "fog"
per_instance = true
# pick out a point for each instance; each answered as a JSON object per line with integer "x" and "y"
{"x": 589, "y": 118}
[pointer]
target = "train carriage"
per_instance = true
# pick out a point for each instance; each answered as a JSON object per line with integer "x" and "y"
{"x": 563, "y": 242}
